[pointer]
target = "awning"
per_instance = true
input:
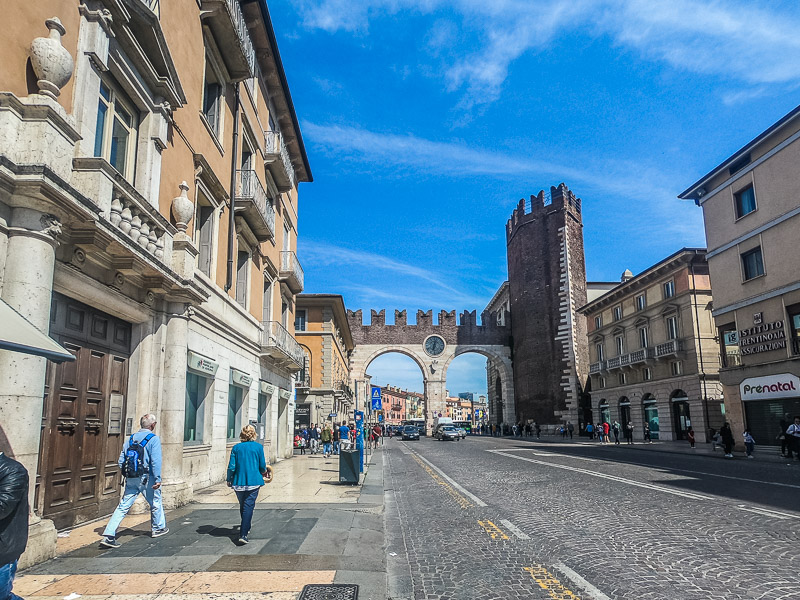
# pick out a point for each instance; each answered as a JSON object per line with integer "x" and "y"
{"x": 20, "y": 335}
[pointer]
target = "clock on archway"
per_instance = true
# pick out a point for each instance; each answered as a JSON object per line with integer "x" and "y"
{"x": 434, "y": 345}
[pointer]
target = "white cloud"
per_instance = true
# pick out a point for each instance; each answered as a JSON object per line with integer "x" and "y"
{"x": 738, "y": 40}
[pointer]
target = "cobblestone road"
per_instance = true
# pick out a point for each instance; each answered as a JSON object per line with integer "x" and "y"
{"x": 499, "y": 518}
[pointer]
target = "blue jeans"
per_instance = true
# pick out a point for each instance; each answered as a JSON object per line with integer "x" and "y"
{"x": 336, "y": 447}
{"x": 134, "y": 487}
{"x": 7, "y": 573}
{"x": 326, "y": 447}
{"x": 247, "y": 503}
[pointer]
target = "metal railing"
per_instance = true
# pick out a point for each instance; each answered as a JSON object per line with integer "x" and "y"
{"x": 290, "y": 267}
{"x": 667, "y": 348}
{"x": 244, "y": 35}
{"x": 731, "y": 359}
{"x": 275, "y": 335}
{"x": 154, "y": 5}
{"x": 249, "y": 187}
{"x": 274, "y": 146}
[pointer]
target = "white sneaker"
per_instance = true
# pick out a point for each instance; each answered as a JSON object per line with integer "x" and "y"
{"x": 729, "y": 456}
{"x": 750, "y": 456}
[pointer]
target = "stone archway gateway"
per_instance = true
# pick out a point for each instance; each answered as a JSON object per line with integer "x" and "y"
{"x": 433, "y": 347}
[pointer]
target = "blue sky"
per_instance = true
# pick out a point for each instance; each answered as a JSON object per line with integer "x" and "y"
{"x": 426, "y": 121}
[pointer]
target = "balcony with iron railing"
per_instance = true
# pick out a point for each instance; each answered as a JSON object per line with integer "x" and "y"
{"x": 154, "y": 5}
{"x": 595, "y": 368}
{"x": 291, "y": 272}
{"x": 226, "y": 22}
{"x": 254, "y": 205}
{"x": 277, "y": 160}
{"x": 278, "y": 343}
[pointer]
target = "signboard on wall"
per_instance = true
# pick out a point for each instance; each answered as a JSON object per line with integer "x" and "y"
{"x": 203, "y": 364}
{"x": 762, "y": 337}
{"x": 267, "y": 388}
{"x": 240, "y": 378}
{"x": 770, "y": 387}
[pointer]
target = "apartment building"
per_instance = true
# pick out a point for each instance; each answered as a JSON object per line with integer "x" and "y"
{"x": 323, "y": 387}
{"x": 751, "y": 209}
{"x": 652, "y": 350}
{"x": 148, "y": 223}
{"x": 394, "y": 405}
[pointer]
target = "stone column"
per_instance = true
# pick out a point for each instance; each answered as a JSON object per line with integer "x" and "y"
{"x": 435, "y": 394}
{"x": 176, "y": 490}
{"x": 28, "y": 288}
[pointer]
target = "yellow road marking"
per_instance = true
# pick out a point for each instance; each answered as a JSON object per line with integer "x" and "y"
{"x": 547, "y": 581}
{"x": 462, "y": 501}
{"x": 493, "y": 530}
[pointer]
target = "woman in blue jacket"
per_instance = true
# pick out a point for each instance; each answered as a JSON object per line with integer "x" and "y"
{"x": 247, "y": 472}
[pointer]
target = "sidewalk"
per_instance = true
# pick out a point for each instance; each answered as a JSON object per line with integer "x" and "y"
{"x": 306, "y": 529}
{"x": 762, "y": 453}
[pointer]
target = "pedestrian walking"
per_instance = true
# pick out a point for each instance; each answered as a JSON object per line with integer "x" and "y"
{"x": 305, "y": 433}
{"x": 616, "y": 433}
{"x": 793, "y": 435}
{"x": 570, "y": 429}
{"x": 327, "y": 439}
{"x": 629, "y": 432}
{"x": 336, "y": 439}
{"x": 538, "y": 430}
{"x": 749, "y": 443}
{"x": 690, "y": 437}
{"x": 590, "y": 431}
{"x": 140, "y": 461}
{"x": 716, "y": 440}
{"x": 514, "y": 429}
{"x": 647, "y": 436}
{"x": 247, "y": 472}
{"x": 528, "y": 429}
{"x": 786, "y": 443}
{"x": 300, "y": 442}
{"x": 376, "y": 436}
{"x": 344, "y": 437}
{"x": 313, "y": 435}
{"x": 14, "y": 510}
{"x": 727, "y": 439}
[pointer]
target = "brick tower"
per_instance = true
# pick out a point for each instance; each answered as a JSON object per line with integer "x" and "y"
{"x": 547, "y": 284}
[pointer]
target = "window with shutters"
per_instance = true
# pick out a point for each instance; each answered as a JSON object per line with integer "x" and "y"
{"x": 242, "y": 272}
{"x": 266, "y": 306}
{"x": 204, "y": 233}
{"x": 213, "y": 96}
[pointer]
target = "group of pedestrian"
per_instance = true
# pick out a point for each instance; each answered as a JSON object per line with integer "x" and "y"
{"x": 332, "y": 438}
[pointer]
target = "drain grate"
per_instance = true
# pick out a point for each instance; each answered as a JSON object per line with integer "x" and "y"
{"x": 331, "y": 591}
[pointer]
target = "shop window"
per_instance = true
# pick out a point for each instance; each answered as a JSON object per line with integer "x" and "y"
{"x": 300, "y": 320}
{"x": 672, "y": 328}
{"x": 641, "y": 302}
{"x": 235, "y": 411}
{"x": 116, "y": 130}
{"x": 212, "y": 98}
{"x": 669, "y": 289}
{"x": 752, "y": 264}
{"x": 193, "y": 421}
{"x": 618, "y": 313}
{"x": 745, "y": 201}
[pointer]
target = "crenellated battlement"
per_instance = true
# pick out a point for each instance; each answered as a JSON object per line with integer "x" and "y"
{"x": 461, "y": 329}
{"x": 560, "y": 199}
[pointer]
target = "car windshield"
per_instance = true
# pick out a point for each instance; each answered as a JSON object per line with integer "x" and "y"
{"x": 448, "y": 428}
{"x": 410, "y": 429}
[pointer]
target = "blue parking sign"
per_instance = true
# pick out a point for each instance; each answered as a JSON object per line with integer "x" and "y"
{"x": 377, "y": 404}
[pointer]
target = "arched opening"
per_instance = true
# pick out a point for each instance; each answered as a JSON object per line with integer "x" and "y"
{"x": 403, "y": 388}
{"x": 605, "y": 413}
{"x": 650, "y": 412}
{"x": 624, "y": 411}
{"x": 467, "y": 388}
{"x": 682, "y": 418}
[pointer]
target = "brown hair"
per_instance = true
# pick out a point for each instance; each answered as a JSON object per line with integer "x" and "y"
{"x": 248, "y": 433}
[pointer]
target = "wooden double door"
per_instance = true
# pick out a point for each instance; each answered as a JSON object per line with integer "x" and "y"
{"x": 83, "y": 424}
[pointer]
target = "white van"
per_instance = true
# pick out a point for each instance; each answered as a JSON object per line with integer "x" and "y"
{"x": 441, "y": 421}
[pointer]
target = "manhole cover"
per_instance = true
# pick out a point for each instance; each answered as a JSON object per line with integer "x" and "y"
{"x": 332, "y": 591}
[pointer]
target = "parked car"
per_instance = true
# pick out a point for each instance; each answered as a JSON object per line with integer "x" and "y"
{"x": 410, "y": 433}
{"x": 448, "y": 432}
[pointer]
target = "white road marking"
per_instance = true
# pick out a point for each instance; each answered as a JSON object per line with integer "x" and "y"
{"x": 514, "y": 529}
{"x": 592, "y": 591}
{"x": 470, "y": 495}
{"x": 767, "y": 512}
{"x": 558, "y": 454}
{"x": 640, "y": 484}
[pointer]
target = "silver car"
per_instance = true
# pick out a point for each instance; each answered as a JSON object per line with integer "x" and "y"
{"x": 447, "y": 433}
{"x": 462, "y": 432}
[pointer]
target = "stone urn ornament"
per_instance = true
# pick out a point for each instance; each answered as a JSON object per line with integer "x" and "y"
{"x": 182, "y": 208}
{"x": 51, "y": 62}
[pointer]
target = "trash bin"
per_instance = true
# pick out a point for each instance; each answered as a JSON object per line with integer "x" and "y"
{"x": 348, "y": 467}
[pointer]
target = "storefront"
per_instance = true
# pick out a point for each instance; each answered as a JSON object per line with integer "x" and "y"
{"x": 624, "y": 412}
{"x": 302, "y": 417}
{"x": 769, "y": 401}
{"x": 650, "y": 410}
{"x": 237, "y": 403}
{"x": 605, "y": 413}
{"x": 681, "y": 414}
{"x": 200, "y": 374}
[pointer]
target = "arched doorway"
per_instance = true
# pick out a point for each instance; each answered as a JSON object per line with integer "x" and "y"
{"x": 681, "y": 415}
{"x": 605, "y": 413}
{"x": 403, "y": 380}
{"x": 624, "y": 412}
{"x": 467, "y": 388}
{"x": 650, "y": 411}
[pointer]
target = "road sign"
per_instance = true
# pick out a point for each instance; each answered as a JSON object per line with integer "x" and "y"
{"x": 376, "y": 398}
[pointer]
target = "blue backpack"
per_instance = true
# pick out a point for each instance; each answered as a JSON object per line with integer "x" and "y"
{"x": 133, "y": 463}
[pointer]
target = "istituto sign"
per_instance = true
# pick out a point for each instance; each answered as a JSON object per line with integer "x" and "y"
{"x": 770, "y": 387}
{"x": 763, "y": 337}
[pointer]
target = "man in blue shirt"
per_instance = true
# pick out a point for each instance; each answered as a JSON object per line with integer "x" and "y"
{"x": 344, "y": 437}
{"x": 148, "y": 484}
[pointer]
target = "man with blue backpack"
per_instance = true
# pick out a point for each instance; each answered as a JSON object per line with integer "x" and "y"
{"x": 140, "y": 462}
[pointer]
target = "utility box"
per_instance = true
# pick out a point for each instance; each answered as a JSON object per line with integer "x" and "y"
{"x": 349, "y": 466}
